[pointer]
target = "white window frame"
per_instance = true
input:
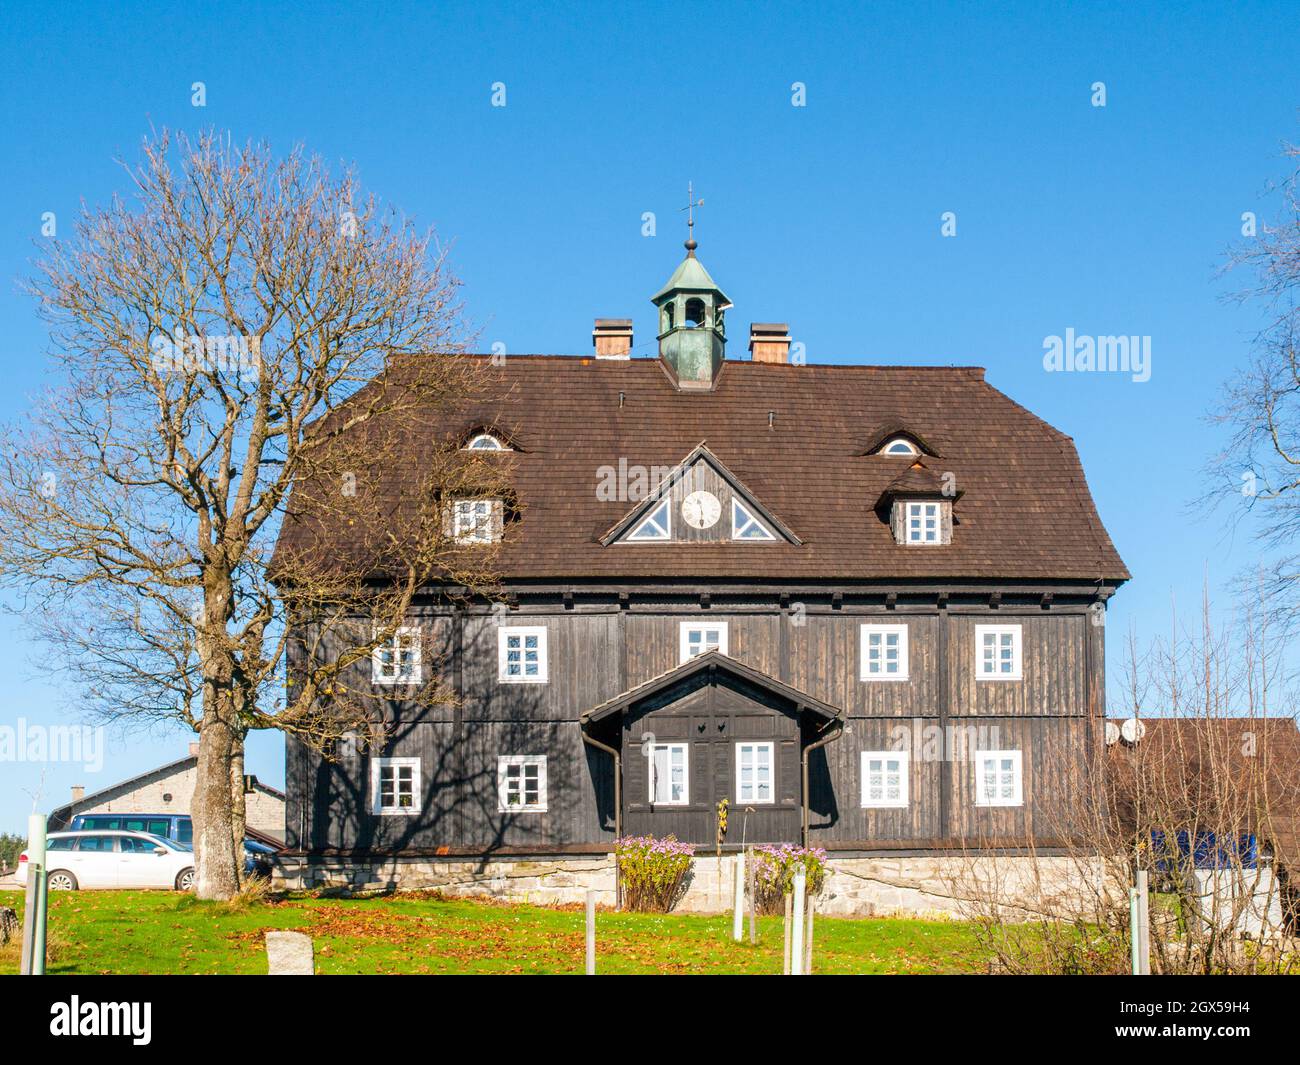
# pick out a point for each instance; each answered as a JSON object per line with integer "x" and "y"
{"x": 865, "y": 632}
{"x": 394, "y": 645}
{"x": 919, "y": 506}
{"x": 504, "y": 633}
{"x": 685, "y": 748}
{"x": 495, "y": 443}
{"x": 887, "y": 449}
{"x": 652, "y": 518}
{"x": 377, "y": 766}
{"x": 904, "y": 780}
{"x": 504, "y": 764}
{"x": 770, "y": 749}
{"x": 473, "y": 532}
{"x": 683, "y": 637}
{"x": 750, "y": 522}
{"x": 997, "y": 631}
{"x": 982, "y": 798}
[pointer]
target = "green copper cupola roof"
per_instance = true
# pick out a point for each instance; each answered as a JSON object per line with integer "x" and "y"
{"x": 690, "y": 276}
{"x": 692, "y": 324}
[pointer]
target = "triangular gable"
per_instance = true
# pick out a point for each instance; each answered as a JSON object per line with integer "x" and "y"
{"x": 712, "y": 660}
{"x": 645, "y": 522}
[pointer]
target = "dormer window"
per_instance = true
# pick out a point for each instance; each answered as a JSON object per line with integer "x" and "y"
{"x": 923, "y": 523}
{"x": 899, "y": 445}
{"x": 485, "y": 442}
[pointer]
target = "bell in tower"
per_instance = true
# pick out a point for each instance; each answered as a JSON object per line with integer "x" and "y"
{"x": 692, "y": 331}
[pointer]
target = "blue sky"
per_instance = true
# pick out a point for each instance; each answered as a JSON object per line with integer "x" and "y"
{"x": 1106, "y": 220}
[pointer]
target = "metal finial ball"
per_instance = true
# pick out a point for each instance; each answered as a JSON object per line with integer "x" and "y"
{"x": 691, "y": 245}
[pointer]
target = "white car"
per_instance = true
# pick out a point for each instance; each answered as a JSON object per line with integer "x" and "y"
{"x": 114, "y": 860}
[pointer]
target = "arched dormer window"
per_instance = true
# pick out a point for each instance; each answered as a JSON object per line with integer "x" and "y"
{"x": 485, "y": 442}
{"x": 899, "y": 445}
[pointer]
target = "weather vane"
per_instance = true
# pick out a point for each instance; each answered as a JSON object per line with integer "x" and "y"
{"x": 691, "y": 204}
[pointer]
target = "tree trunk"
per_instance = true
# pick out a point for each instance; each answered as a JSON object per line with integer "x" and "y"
{"x": 216, "y": 862}
{"x": 238, "y": 803}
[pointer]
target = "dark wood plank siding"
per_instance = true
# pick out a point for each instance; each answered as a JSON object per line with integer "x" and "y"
{"x": 1054, "y": 666}
{"x": 824, "y": 662}
{"x": 712, "y": 715}
{"x": 1052, "y": 750}
{"x": 595, "y": 654}
{"x": 835, "y": 785}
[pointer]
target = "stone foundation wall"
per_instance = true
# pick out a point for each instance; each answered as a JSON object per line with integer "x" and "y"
{"x": 924, "y": 886}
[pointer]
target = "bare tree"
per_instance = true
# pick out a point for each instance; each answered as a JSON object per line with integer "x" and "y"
{"x": 1260, "y": 407}
{"x": 1207, "y": 801}
{"x": 238, "y": 326}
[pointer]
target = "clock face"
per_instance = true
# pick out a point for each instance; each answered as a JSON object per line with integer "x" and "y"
{"x": 701, "y": 510}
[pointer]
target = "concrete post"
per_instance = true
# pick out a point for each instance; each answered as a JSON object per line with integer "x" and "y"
{"x": 290, "y": 954}
{"x": 32, "y": 961}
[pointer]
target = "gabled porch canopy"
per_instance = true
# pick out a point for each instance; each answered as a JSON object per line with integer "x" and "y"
{"x": 689, "y": 712}
{"x": 713, "y": 661}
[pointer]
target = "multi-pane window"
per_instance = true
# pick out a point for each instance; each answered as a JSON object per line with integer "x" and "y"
{"x": 883, "y": 654}
{"x": 394, "y": 785}
{"x": 696, "y": 637}
{"x": 397, "y": 659}
{"x": 521, "y": 654}
{"x": 997, "y": 652}
{"x": 754, "y": 772}
{"x": 670, "y": 774}
{"x": 924, "y": 523}
{"x": 474, "y": 520}
{"x": 521, "y": 783}
{"x": 884, "y": 778}
{"x": 998, "y": 778}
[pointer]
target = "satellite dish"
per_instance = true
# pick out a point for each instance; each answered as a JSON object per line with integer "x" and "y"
{"x": 1133, "y": 730}
{"x": 1112, "y": 733}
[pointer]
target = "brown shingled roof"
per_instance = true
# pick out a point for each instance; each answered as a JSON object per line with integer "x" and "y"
{"x": 918, "y": 480}
{"x": 1242, "y": 770}
{"x": 1025, "y": 511}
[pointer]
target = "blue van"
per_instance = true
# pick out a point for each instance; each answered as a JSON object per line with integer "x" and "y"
{"x": 177, "y": 827}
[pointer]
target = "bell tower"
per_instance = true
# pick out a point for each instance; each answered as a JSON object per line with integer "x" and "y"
{"x": 692, "y": 330}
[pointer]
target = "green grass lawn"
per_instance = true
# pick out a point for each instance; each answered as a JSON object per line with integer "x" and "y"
{"x": 165, "y": 932}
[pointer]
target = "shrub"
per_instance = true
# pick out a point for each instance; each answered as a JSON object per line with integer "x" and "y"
{"x": 653, "y": 871}
{"x": 774, "y": 875}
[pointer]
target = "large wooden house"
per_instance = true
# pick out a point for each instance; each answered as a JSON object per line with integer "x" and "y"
{"x": 863, "y": 604}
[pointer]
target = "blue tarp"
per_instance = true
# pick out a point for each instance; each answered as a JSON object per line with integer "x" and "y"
{"x": 1206, "y": 851}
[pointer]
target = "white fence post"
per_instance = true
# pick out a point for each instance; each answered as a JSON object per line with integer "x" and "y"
{"x": 591, "y": 932}
{"x": 796, "y": 924}
{"x": 1144, "y": 924}
{"x": 738, "y": 920}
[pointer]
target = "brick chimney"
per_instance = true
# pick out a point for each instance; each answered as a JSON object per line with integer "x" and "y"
{"x": 612, "y": 338}
{"x": 769, "y": 341}
{"x": 78, "y": 792}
